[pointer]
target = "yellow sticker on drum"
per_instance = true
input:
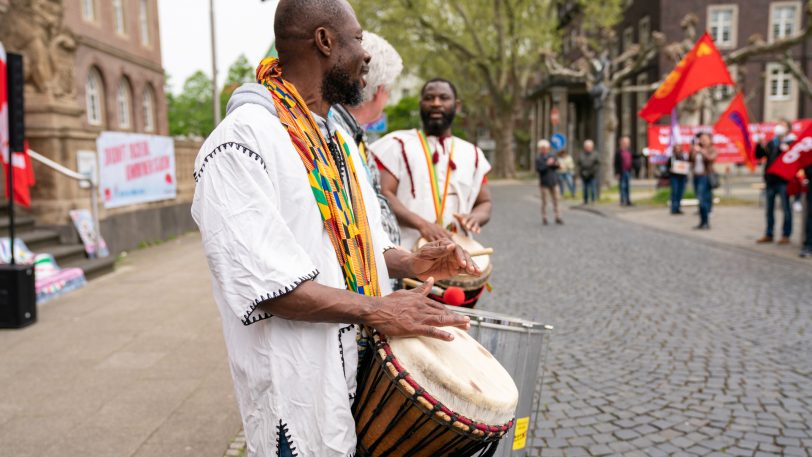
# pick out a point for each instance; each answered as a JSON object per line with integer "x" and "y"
{"x": 520, "y": 433}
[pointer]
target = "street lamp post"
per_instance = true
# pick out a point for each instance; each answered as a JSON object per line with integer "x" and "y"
{"x": 214, "y": 95}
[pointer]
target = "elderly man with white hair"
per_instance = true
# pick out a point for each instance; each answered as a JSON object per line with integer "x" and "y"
{"x": 384, "y": 67}
{"x": 547, "y": 166}
{"x": 588, "y": 165}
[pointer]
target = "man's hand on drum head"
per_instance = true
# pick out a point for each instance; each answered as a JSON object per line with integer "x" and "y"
{"x": 469, "y": 223}
{"x": 413, "y": 313}
{"x": 433, "y": 232}
{"x": 442, "y": 259}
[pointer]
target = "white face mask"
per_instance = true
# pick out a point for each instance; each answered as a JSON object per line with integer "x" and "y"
{"x": 780, "y": 130}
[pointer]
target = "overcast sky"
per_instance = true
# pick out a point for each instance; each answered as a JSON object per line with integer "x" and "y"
{"x": 242, "y": 27}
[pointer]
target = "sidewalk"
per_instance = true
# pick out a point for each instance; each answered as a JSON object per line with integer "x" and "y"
{"x": 133, "y": 364}
{"x": 734, "y": 225}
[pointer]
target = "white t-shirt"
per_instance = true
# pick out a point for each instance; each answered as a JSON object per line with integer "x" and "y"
{"x": 401, "y": 153}
{"x": 263, "y": 236}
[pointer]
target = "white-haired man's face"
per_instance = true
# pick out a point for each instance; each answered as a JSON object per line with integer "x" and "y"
{"x": 589, "y": 146}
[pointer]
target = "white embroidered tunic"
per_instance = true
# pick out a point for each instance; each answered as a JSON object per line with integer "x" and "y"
{"x": 401, "y": 153}
{"x": 263, "y": 236}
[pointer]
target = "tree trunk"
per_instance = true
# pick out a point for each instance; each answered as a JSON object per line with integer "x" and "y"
{"x": 505, "y": 156}
{"x": 607, "y": 149}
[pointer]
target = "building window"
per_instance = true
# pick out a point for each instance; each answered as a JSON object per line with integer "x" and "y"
{"x": 118, "y": 16}
{"x": 628, "y": 38}
{"x": 89, "y": 10}
{"x": 783, "y": 20}
{"x": 149, "y": 109}
{"x": 779, "y": 82}
{"x": 722, "y": 23}
{"x": 124, "y": 104}
{"x": 644, "y": 29}
{"x": 143, "y": 21}
{"x": 94, "y": 97}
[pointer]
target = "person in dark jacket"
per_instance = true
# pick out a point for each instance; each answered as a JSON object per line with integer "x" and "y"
{"x": 624, "y": 167}
{"x": 775, "y": 186}
{"x": 588, "y": 166}
{"x": 547, "y": 168}
{"x": 807, "y": 249}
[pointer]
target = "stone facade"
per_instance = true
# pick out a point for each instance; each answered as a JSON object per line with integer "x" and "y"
{"x": 63, "y": 42}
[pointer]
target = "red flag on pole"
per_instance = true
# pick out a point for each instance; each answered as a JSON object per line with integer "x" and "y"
{"x": 799, "y": 155}
{"x": 23, "y": 176}
{"x": 702, "y": 67}
{"x": 733, "y": 124}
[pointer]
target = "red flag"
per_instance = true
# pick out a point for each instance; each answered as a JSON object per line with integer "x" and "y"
{"x": 702, "y": 67}
{"x": 23, "y": 177}
{"x": 797, "y": 156}
{"x": 734, "y": 124}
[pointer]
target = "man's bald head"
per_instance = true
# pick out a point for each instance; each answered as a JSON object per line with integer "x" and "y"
{"x": 297, "y": 20}
{"x": 319, "y": 44}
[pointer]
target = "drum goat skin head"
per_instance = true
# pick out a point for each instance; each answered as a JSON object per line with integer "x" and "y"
{"x": 461, "y": 374}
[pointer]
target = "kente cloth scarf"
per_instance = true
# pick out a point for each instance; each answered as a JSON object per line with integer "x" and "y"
{"x": 343, "y": 213}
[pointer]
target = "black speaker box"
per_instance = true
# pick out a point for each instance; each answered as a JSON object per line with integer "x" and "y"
{"x": 18, "y": 300}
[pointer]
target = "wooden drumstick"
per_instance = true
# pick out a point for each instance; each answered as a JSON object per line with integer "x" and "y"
{"x": 478, "y": 252}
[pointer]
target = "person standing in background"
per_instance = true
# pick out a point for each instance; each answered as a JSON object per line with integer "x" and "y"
{"x": 588, "y": 166}
{"x": 679, "y": 165}
{"x": 546, "y": 167}
{"x": 566, "y": 167}
{"x": 624, "y": 167}
{"x": 775, "y": 186}
{"x": 806, "y": 252}
{"x": 702, "y": 158}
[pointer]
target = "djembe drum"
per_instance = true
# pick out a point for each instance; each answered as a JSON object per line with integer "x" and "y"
{"x": 471, "y": 286}
{"x": 424, "y": 397}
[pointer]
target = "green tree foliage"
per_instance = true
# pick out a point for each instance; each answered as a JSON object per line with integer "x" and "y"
{"x": 190, "y": 112}
{"x": 240, "y": 72}
{"x": 403, "y": 115}
{"x": 490, "y": 49}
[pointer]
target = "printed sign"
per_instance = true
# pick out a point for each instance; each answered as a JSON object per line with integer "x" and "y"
{"x": 659, "y": 137}
{"x": 520, "y": 433}
{"x": 86, "y": 165}
{"x": 135, "y": 168}
{"x": 83, "y": 221}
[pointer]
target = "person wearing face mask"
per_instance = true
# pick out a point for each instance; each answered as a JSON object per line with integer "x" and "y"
{"x": 775, "y": 186}
{"x": 434, "y": 181}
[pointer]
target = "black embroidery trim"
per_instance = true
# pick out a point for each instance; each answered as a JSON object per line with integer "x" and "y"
{"x": 282, "y": 428}
{"x": 250, "y": 318}
{"x": 199, "y": 173}
{"x": 342, "y": 331}
{"x": 389, "y": 248}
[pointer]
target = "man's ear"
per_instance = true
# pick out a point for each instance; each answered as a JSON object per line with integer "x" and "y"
{"x": 325, "y": 41}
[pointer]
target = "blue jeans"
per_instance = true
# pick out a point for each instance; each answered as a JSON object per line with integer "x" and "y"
{"x": 625, "y": 197}
{"x": 772, "y": 191}
{"x": 566, "y": 178}
{"x": 678, "y": 183}
{"x": 808, "y": 237}
{"x": 590, "y": 189}
{"x": 704, "y": 194}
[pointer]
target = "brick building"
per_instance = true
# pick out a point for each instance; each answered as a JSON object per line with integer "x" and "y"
{"x": 771, "y": 92}
{"x": 94, "y": 66}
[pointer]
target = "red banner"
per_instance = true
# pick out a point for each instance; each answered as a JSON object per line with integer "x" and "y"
{"x": 659, "y": 139}
{"x": 702, "y": 67}
{"x": 799, "y": 155}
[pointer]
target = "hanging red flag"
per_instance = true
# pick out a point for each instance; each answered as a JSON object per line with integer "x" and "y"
{"x": 799, "y": 155}
{"x": 702, "y": 67}
{"x": 23, "y": 177}
{"x": 733, "y": 124}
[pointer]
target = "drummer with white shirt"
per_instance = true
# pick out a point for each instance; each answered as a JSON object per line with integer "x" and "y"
{"x": 432, "y": 179}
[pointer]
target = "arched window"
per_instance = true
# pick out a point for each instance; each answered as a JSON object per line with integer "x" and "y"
{"x": 149, "y": 109}
{"x": 94, "y": 97}
{"x": 124, "y": 104}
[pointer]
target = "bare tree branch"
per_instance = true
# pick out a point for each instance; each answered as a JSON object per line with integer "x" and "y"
{"x": 804, "y": 84}
{"x": 758, "y": 46}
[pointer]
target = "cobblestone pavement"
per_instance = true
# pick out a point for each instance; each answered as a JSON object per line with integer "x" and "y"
{"x": 663, "y": 345}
